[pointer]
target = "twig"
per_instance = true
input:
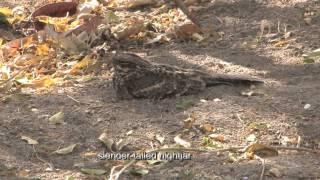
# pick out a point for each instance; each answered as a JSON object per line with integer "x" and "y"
{"x": 296, "y": 149}
{"x": 235, "y": 148}
{"x": 117, "y": 175}
{"x": 112, "y": 170}
{"x": 77, "y": 101}
{"x": 42, "y": 160}
{"x": 263, "y": 166}
{"x": 196, "y": 150}
{"x": 15, "y": 75}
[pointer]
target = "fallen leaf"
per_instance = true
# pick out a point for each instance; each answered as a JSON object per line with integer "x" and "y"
{"x": 44, "y": 82}
{"x": 66, "y": 150}
{"x": 139, "y": 171}
{"x": 57, "y": 118}
{"x": 29, "y": 140}
{"x": 5, "y": 11}
{"x": 275, "y": 172}
{"x": 251, "y": 138}
{"x": 218, "y": 137}
{"x": 307, "y": 106}
{"x": 97, "y": 172}
{"x": 207, "y": 142}
{"x": 159, "y": 138}
{"x": 90, "y": 154}
{"x": 106, "y": 141}
{"x": 84, "y": 63}
{"x": 188, "y": 123}
{"x": 70, "y": 178}
{"x": 185, "y": 104}
{"x": 88, "y": 6}
{"x": 155, "y": 161}
{"x": 186, "y": 30}
{"x": 122, "y": 143}
{"x": 129, "y": 133}
{"x": 258, "y": 126}
{"x": 59, "y": 9}
{"x": 125, "y": 31}
{"x": 260, "y": 150}
{"x": 206, "y": 128}
{"x": 181, "y": 142}
{"x": 42, "y": 50}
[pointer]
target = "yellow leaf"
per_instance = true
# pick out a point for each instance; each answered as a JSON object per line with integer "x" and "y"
{"x": 60, "y": 24}
{"x": 206, "y": 128}
{"x": 26, "y": 42}
{"x": 84, "y": 63}
{"x": 6, "y": 11}
{"x": 1, "y": 42}
{"x": 42, "y": 50}
{"x": 44, "y": 82}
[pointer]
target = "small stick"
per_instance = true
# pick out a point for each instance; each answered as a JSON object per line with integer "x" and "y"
{"x": 15, "y": 75}
{"x": 42, "y": 160}
{"x": 73, "y": 99}
{"x": 117, "y": 175}
{"x": 263, "y": 166}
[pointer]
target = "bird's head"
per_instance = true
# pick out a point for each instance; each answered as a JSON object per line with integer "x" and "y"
{"x": 126, "y": 63}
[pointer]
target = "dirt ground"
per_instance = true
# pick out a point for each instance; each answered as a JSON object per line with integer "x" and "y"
{"x": 290, "y": 85}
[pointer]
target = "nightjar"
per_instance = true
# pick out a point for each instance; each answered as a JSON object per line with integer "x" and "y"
{"x": 135, "y": 77}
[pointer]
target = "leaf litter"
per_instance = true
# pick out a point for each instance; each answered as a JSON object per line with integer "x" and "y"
{"x": 39, "y": 61}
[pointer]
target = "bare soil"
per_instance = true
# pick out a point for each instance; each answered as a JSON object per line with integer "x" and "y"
{"x": 290, "y": 85}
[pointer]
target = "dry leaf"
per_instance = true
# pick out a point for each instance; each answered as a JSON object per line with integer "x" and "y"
{"x": 159, "y": 138}
{"x": 24, "y": 173}
{"x": 125, "y": 31}
{"x": 44, "y": 82}
{"x": 106, "y": 141}
{"x": 89, "y": 154}
{"x": 181, "y": 142}
{"x": 5, "y": 11}
{"x": 122, "y": 143}
{"x": 139, "y": 171}
{"x": 188, "y": 123}
{"x": 251, "y": 138}
{"x": 66, "y": 150}
{"x": 186, "y": 30}
{"x": 88, "y": 6}
{"x": 84, "y": 63}
{"x": 218, "y": 137}
{"x": 96, "y": 172}
{"x": 29, "y": 140}
{"x": 139, "y": 3}
{"x": 206, "y": 128}
{"x": 59, "y": 9}
{"x": 275, "y": 172}
{"x": 58, "y": 118}
{"x": 260, "y": 150}
{"x": 42, "y": 50}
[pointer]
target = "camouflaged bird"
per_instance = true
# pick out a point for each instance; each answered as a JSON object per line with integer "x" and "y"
{"x": 135, "y": 77}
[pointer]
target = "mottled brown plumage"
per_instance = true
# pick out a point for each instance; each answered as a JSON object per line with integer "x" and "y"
{"x": 135, "y": 77}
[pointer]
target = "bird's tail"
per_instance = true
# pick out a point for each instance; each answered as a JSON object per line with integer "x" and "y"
{"x": 231, "y": 80}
